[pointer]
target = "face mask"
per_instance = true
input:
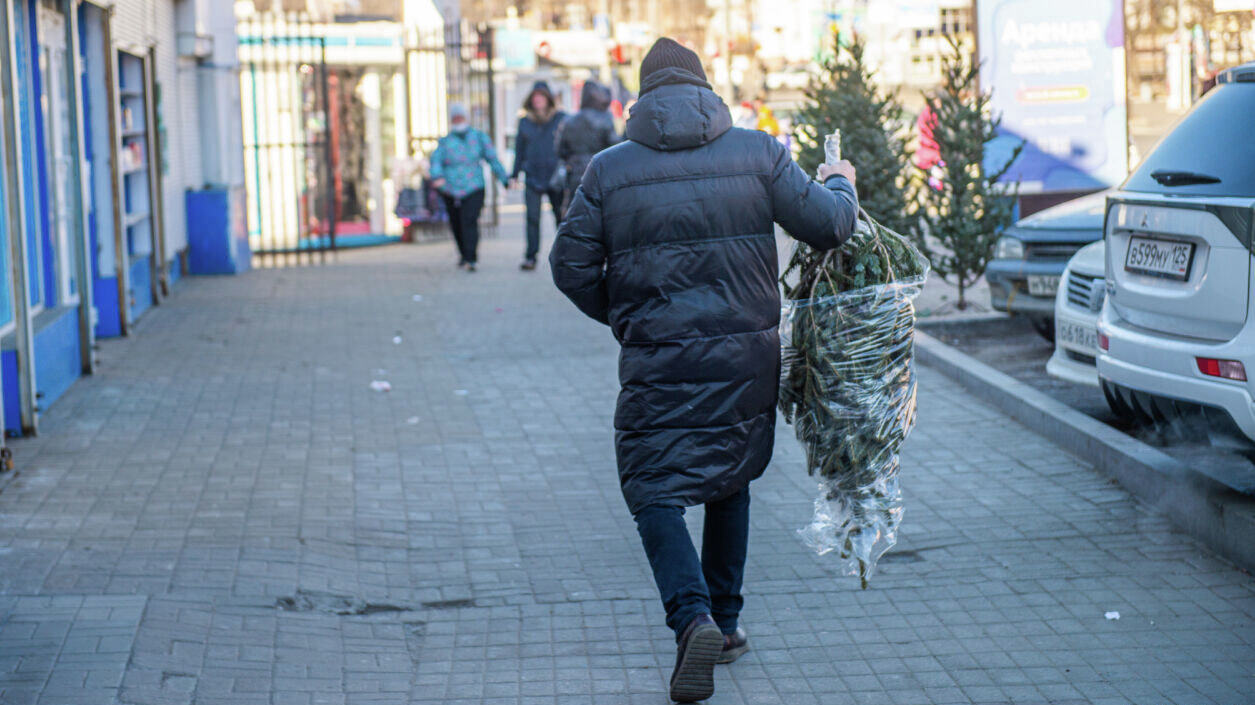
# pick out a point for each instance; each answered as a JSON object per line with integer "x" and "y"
{"x": 460, "y": 127}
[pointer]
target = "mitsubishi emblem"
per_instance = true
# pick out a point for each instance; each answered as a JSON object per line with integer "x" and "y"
{"x": 1145, "y": 219}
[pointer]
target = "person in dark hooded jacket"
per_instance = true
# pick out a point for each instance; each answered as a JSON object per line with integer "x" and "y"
{"x": 535, "y": 155}
{"x": 670, "y": 241}
{"x": 584, "y": 134}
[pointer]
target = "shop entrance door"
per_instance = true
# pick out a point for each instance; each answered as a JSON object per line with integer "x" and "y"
{"x": 138, "y": 198}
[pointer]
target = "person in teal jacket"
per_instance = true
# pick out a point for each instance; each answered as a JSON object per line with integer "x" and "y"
{"x": 457, "y": 171}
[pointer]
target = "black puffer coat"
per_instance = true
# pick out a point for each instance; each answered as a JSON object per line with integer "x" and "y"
{"x": 670, "y": 241}
{"x": 586, "y": 133}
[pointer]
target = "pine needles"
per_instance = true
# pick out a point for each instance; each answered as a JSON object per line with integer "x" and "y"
{"x": 848, "y": 384}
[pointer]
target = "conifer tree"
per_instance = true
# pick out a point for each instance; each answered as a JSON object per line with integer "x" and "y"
{"x": 962, "y": 214}
{"x": 844, "y": 95}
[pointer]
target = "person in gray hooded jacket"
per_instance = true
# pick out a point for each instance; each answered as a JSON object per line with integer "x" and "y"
{"x": 584, "y": 134}
{"x": 670, "y": 241}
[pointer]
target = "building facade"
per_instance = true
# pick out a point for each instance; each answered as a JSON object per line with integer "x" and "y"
{"x": 109, "y": 111}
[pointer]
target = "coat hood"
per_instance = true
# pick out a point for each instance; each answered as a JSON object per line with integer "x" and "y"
{"x": 540, "y": 118}
{"x": 594, "y": 96}
{"x": 677, "y": 110}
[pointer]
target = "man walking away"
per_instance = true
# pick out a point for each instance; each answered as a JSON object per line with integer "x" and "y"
{"x": 584, "y": 134}
{"x": 535, "y": 155}
{"x": 670, "y": 241}
{"x": 457, "y": 172}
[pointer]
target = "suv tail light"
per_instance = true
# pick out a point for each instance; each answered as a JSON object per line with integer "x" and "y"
{"x": 1103, "y": 341}
{"x": 1224, "y": 369}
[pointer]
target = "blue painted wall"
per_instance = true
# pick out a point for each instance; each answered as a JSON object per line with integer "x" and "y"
{"x": 57, "y": 357}
{"x": 141, "y": 287}
{"x": 57, "y": 365}
{"x": 104, "y": 284}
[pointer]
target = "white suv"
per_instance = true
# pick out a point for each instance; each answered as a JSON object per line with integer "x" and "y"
{"x": 1177, "y": 330}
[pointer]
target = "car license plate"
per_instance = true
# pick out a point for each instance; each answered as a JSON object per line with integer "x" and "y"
{"x": 1042, "y": 285}
{"x": 1076, "y": 335}
{"x": 1161, "y": 258}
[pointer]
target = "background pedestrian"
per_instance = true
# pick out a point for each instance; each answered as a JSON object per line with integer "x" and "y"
{"x": 457, "y": 170}
{"x": 584, "y": 134}
{"x": 535, "y": 156}
{"x": 670, "y": 240}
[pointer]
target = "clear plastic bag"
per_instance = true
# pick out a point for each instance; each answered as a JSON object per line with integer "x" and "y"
{"x": 848, "y": 388}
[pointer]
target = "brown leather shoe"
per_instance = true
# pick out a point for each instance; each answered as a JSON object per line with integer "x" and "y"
{"x": 694, "y": 676}
{"x": 734, "y": 645}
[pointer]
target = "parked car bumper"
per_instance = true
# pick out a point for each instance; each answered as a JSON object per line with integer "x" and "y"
{"x": 1069, "y": 369}
{"x": 1064, "y": 363}
{"x": 1008, "y": 286}
{"x": 1164, "y": 367}
{"x": 1076, "y": 326}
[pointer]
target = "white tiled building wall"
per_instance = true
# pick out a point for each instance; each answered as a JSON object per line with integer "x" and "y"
{"x": 138, "y": 24}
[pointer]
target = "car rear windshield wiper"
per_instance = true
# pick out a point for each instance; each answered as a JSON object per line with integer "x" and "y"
{"x": 1182, "y": 178}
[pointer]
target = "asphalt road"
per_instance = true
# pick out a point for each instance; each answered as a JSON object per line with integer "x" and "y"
{"x": 1012, "y": 346}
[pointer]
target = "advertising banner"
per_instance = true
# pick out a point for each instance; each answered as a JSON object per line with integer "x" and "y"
{"x": 1055, "y": 71}
{"x": 515, "y": 49}
{"x": 572, "y": 47}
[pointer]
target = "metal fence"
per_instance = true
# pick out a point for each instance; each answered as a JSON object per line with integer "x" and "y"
{"x": 287, "y": 140}
{"x": 298, "y": 125}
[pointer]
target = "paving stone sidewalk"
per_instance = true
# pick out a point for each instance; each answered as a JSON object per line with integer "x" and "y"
{"x": 228, "y": 513}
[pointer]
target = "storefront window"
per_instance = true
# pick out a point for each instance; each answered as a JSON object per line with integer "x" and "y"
{"x": 24, "y": 32}
{"x": 62, "y": 202}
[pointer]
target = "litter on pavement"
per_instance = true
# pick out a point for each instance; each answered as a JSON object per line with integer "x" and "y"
{"x": 1112, "y": 615}
{"x": 380, "y": 385}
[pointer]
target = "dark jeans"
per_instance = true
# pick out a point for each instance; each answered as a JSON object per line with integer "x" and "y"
{"x": 689, "y": 586}
{"x": 464, "y": 221}
{"x": 533, "y": 198}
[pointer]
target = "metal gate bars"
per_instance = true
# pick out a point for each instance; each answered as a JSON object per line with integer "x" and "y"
{"x": 288, "y": 159}
{"x": 316, "y": 154}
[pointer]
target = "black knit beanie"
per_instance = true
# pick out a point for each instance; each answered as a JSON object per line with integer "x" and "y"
{"x": 668, "y": 52}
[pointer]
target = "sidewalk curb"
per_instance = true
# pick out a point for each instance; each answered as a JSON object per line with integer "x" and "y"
{"x": 1220, "y": 517}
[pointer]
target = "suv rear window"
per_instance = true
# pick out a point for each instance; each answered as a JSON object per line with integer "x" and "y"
{"x": 1214, "y": 140}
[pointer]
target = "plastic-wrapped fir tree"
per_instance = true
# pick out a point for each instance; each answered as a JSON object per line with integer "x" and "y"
{"x": 847, "y": 386}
